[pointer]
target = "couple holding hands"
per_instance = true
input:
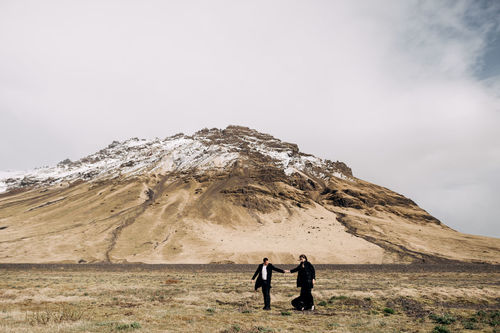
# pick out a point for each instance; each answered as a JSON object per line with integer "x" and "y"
{"x": 306, "y": 278}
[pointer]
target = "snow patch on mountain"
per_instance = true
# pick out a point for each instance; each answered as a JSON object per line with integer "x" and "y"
{"x": 205, "y": 150}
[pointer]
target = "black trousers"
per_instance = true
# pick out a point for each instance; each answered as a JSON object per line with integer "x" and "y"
{"x": 266, "y": 289}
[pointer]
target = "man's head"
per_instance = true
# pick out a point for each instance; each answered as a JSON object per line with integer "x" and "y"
{"x": 265, "y": 261}
{"x": 302, "y": 258}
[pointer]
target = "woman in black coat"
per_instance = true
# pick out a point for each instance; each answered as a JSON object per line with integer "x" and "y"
{"x": 306, "y": 278}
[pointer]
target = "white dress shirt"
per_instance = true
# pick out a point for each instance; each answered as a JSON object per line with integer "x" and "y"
{"x": 264, "y": 272}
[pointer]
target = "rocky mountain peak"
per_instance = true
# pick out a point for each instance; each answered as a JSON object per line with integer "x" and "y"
{"x": 244, "y": 137}
{"x": 208, "y": 150}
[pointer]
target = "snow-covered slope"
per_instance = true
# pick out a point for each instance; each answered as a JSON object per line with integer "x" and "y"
{"x": 205, "y": 150}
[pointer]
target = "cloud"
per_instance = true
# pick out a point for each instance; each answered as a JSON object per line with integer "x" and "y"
{"x": 394, "y": 89}
{"x": 426, "y": 125}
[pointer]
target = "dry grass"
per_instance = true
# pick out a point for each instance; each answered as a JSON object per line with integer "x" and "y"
{"x": 64, "y": 313}
{"x": 201, "y": 301}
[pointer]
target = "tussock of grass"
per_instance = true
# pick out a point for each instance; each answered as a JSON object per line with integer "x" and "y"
{"x": 469, "y": 325}
{"x": 64, "y": 313}
{"x": 388, "y": 311}
{"x": 475, "y": 321}
{"x": 445, "y": 319}
{"x": 334, "y": 298}
{"x": 130, "y": 326}
{"x": 440, "y": 329}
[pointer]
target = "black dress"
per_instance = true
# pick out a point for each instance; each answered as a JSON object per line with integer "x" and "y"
{"x": 306, "y": 274}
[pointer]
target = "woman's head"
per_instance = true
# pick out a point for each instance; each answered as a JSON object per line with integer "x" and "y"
{"x": 302, "y": 258}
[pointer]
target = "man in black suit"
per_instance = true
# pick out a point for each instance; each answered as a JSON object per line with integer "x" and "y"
{"x": 265, "y": 273}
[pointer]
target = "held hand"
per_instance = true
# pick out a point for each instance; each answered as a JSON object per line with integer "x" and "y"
{"x": 287, "y": 271}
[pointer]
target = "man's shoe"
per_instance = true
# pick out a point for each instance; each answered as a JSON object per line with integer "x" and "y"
{"x": 266, "y": 308}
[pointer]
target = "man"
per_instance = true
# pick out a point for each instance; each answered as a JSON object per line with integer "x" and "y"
{"x": 265, "y": 273}
{"x": 306, "y": 278}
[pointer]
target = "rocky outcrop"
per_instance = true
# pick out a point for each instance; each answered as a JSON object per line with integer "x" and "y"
{"x": 206, "y": 150}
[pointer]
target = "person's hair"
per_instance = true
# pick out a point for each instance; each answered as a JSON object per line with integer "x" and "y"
{"x": 303, "y": 256}
{"x": 265, "y": 259}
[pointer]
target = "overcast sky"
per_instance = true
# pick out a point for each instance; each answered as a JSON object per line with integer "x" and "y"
{"x": 407, "y": 93}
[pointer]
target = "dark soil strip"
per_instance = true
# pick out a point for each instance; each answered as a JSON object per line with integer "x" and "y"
{"x": 137, "y": 267}
{"x": 46, "y": 204}
{"x": 26, "y": 200}
{"x": 152, "y": 194}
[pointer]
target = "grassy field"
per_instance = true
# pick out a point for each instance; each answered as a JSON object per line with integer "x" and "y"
{"x": 221, "y": 299}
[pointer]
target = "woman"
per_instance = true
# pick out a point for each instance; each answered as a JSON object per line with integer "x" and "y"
{"x": 305, "y": 280}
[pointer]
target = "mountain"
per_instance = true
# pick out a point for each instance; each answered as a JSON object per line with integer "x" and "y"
{"x": 231, "y": 195}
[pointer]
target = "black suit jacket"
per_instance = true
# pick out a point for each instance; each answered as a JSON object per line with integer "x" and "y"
{"x": 270, "y": 269}
{"x": 306, "y": 275}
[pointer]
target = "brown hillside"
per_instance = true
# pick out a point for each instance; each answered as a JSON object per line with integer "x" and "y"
{"x": 237, "y": 212}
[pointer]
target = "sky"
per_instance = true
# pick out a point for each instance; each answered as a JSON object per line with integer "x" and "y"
{"x": 407, "y": 93}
